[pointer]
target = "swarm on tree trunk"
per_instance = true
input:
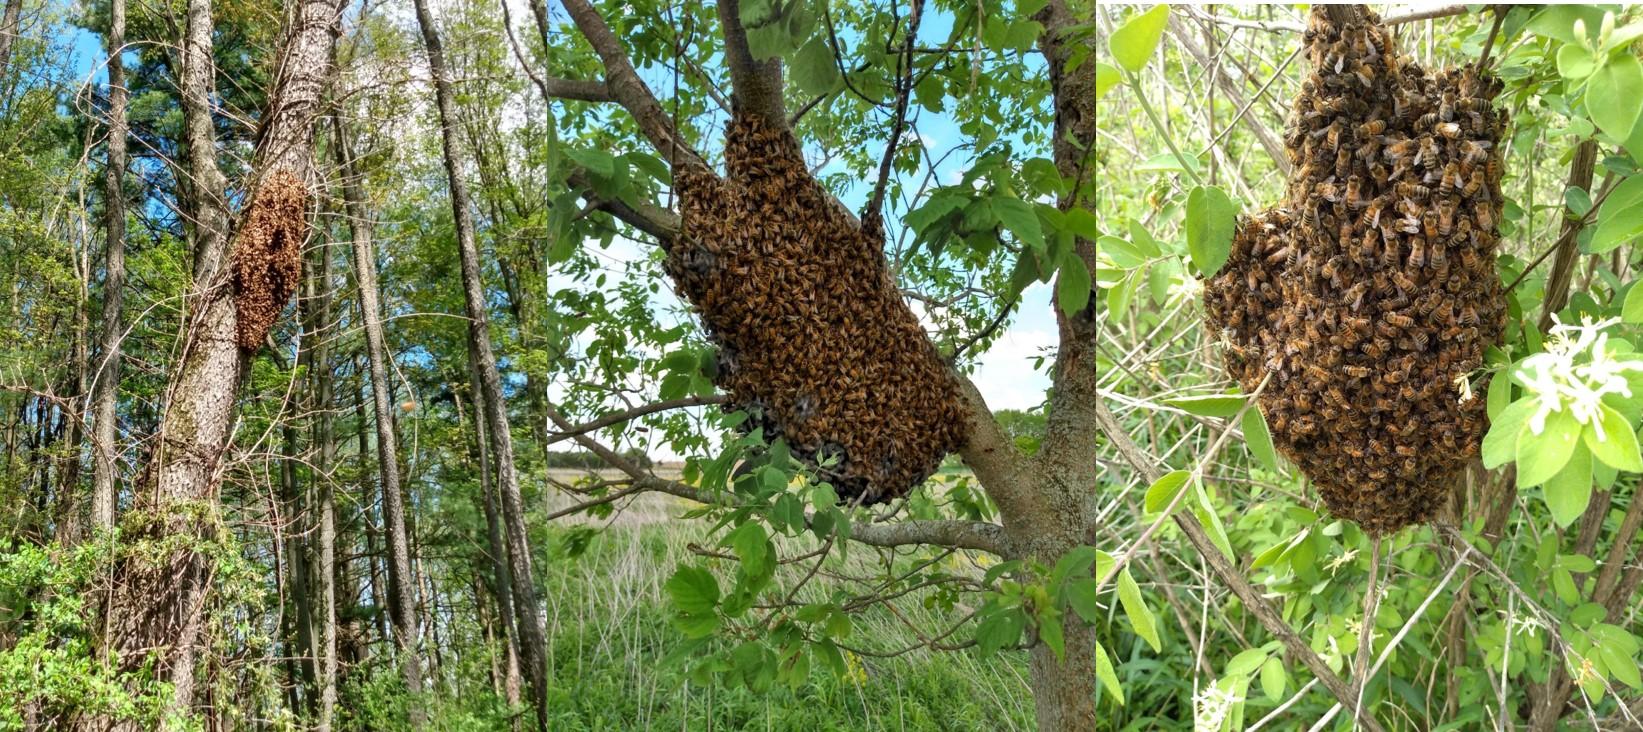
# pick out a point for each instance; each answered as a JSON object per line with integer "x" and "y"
{"x": 1369, "y": 295}
{"x": 268, "y": 260}
{"x": 815, "y": 341}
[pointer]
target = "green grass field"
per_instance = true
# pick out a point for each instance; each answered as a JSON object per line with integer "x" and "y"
{"x": 608, "y": 633}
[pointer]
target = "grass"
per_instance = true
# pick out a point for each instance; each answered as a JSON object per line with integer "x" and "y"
{"x": 608, "y": 633}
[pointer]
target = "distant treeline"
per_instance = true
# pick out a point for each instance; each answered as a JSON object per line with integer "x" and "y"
{"x": 584, "y": 460}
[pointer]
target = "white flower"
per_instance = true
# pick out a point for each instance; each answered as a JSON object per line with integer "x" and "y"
{"x": 1463, "y": 384}
{"x": 1575, "y": 371}
{"x": 1185, "y": 288}
{"x": 1210, "y": 707}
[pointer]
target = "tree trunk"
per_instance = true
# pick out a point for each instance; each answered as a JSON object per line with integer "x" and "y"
{"x": 8, "y": 32}
{"x": 401, "y": 585}
{"x": 106, "y": 381}
{"x": 157, "y": 608}
{"x": 489, "y": 399}
{"x": 502, "y": 579}
{"x": 325, "y": 548}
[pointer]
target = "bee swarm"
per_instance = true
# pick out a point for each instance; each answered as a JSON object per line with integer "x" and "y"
{"x": 1371, "y": 289}
{"x": 268, "y": 255}
{"x": 815, "y": 340}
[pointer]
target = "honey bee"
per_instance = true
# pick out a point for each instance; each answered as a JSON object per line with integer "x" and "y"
{"x": 1354, "y": 192}
{"x": 1333, "y": 395}
{"x": 1343, "y": 162}
{"x": 1448, "y": 129}
{"x": 1429, "y": 224}
{"x": 1355, "y": 295}
{"x": 1414, "y": 191}
{"x": 1468, "y": 257}
{"x": 1389, "y": 252}
{"x": 1429, "y": 149}
{"x": 1427, "y": 121}
{"x": 1396, "y": 377}
{"x": 1473, "y": 151}
{"x": 1472, "y": 104}
{"x": 1446, "y": 216}
{"x": 1446, "y": 107}
{"x": 1451, "y": 176}
{"x": 1417, "y": 252}
{"x": 1473, "y": 185}
{"x": 1317, "y": 373}
{"x": 1372, "y": 127}
{"x": 1399, "y": 320}
{"x": 1402, "y": 280}
{"x": 1365, "y": 74}
{"x": 1469, "y": 316}
{"x": 1279, "y": 255}
{"x": 1485, "y": 217}
{"x": 1439, "y": 255}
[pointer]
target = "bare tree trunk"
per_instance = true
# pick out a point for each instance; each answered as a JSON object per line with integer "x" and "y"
{"x": 157, "y": 608}
{"x": 401, "y": 587}
{"x": 106, "y": 381}
{"x": 501, "y": 587}
{"x": 324, "y": 455}
{"x": 8, "y": 32}
{"x": 489, "y": 397}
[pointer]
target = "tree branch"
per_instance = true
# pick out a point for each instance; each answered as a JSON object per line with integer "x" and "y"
{"x": 872, "y": 215}
{"x": 625, "y": 86}
{"x": 634, "y": 413}
{"x": 756, "y": 86}
{"x": 642, "y": 215}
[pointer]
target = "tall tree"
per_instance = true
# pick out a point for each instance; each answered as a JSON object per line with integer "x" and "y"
{"x": 9, "y": 23}
{"x": 106, "y": 380}
{"x": 157, "y": 609}
{"x": 401, "y": 583}
{"x": 489, "y": 395}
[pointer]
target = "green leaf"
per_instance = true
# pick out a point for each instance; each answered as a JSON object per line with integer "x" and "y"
{"x": 1246, "y": 662}
{"x": 1133, "y": 43}
{"x": 1617, "y": 220}
{"x": 693, "y": 590}
{"x": 1107, "y": 76}
{"x": 1018, "y": 216}
{"x": 814, "y": 69}
{"x": 1209, "y": 405}
{"x": 1558, "y": 21}
{"x": 1083, "y": 594}
{"x": 1614, "y": 95}
{"x": 1073, "y": 287}
{"x": 1259, "y": 438}
{"x": 1140, "y": 238}
{"x": 1163, "y": 491}
{"x": 1578, "y": 200}
{"x": 1621, "y": 665}
{"x": 1109, "y": 678}
{"x": 1167, "y": 163}
{"x": 1135, "y": 608}
{"x": 1500, "y": 394}
{"x": 1619, "y": 446}
{"x": 599, "y": 163}
{"x": 1122, "y": 253}
{"x": 1212, "y": 524}
{"x": 1050, "y": 631}
{"x": 1540, "y": 456}
{"x": 1274, "y": 678}
{"x": 1570, "y": 489}
{"x": 1500, "y": 444}
{"x": 1575, "y": 63}
{"x": 1632, "y": 310}
{"x": 1211, "y": 220}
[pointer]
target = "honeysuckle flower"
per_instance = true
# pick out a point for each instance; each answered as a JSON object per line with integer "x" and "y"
{"x": 1575, "y": 372}
{"x": 1211, "y": 705}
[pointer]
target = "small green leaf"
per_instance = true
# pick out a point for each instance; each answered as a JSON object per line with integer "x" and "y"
{"x": 1050, "y": 631}
{"x": 1212, "y": 523}
{"x": 1167, "y": 163}
{"x": 1274, "y": 678}
{"x": 1073, "y": 287}
{"x": 1135, "y": 608}
{"x": 1163, "y": 491}
{"x": 1500, "y": 444}
{"x": 1209, "y": 405}
{"x": 1575, "y": 63}
{"x": 1133, "y": 43}
{"x": 1107, "y": 76}
{"x": 1614, "y": 95}
{"x": 1619, "y": 446}
{"x": 1569, "y": 490}
{"x": 814, "y": 69}
{"x": 1539, "y": 457}
{"x": 1621, "y": 665}
{"x": 693, "y": 590}
{"x": 1083, "y": 594}
{"x": 1122, "y": 253}
{"x": 1617, "y": 220}
{"x": 1246, "y": 662}
{"x": 1211, "y": 221}
{"x": 1632, "y": 310}
{"x": 1578, "y": 200}
{"x": 1109, "y": 678}
{"x": 1018, "y": 216}
{"x": 1500, "y": 394}
{"x": 1259, "y": 438}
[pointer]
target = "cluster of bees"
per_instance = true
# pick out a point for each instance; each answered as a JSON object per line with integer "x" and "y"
{"x": 268, "y": 255}
{"x": 1370, "y": 292}
{"x": 814, "y": 339}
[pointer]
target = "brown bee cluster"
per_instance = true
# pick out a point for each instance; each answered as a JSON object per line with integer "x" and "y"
{"x": 814, "y": 340}
{"x": 268, "y": 254}
{"x": 1370, "y": 290}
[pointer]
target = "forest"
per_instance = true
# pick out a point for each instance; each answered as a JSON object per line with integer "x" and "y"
{"x": 808, "y": 365}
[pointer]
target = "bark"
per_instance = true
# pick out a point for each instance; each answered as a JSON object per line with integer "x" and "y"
{"x": 157, "y": 608}
{"x": 502, "y": 578}
{"x": 490, "y": 401}
{"x": 326, "y": 535}
{"x": 401, "y": 585}
{"x": 8, "y": 32}
{"x": 106, "y": 381}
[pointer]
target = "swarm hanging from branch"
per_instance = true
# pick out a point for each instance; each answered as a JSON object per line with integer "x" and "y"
{"x": 1369, "y": 294}
{"x": 268, "y": 257}
{"x": 814, "y": 339}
